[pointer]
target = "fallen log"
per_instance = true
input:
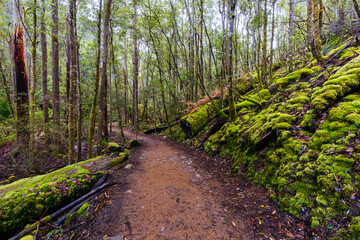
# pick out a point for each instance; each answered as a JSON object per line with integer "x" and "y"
{"x": 194, "y": 122}
{"x": 49, "y": 218}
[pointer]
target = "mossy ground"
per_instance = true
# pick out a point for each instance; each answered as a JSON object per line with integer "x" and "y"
{"x": 303, "y": 142}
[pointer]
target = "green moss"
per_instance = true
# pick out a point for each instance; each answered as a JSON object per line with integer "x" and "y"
{"x": 321, "y": 200}
{"x": 317, "y": 68}
{"x": 83, "y": 209}
{"x": 27, "y": 237}
{"x": 353, "y": 118}
{"x": 338, "y": 85}
{"x": 294, "y": 76}
{"x": 265, "y": 94}
{"x": 314, "y": 222}
{"x": 197, "y": 120}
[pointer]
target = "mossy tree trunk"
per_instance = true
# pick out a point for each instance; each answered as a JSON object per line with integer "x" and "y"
{"x": 33, "y": 84}
{"x": 316, "y": 31}
{"x": 357, "y": 9}
{"x": 96, "y": 88}
{"x": 310, "y": 35}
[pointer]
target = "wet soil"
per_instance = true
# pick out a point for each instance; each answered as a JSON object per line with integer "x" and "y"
{"x": 173, "y": 192}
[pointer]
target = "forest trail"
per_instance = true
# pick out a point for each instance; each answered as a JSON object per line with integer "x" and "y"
{"x": 167, "y": 196}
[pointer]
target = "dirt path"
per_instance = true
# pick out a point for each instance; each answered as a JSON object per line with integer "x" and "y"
{"x": 168, "y": 196}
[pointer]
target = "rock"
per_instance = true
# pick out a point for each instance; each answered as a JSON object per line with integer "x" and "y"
{"x": 129, "y": 166}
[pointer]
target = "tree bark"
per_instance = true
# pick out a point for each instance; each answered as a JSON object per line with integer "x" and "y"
{"x": 316, "y": 30}
{"x": 135, "y": 70}
{"x": 44, "y": 58}
{"x": 33, "y": 84}
{"x": 291, "y": 33}
{"x": 6, "y": 89}
{"x": 73, "y": 77}
{"x": 357, "y": 9}
{"x": 272, "y": 38}
{"x": 103, "y": 77}
{"x": 55, "y": 71}
{"x": 264, "y": 48}
{"x": 22, "y": 95}
{"x": 232, "y": 111}
{"x": 96, "y": 88}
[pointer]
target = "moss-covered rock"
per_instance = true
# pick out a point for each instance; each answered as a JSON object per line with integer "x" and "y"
{"x": 294, "y": 76}
{"x": 346, "y": 80}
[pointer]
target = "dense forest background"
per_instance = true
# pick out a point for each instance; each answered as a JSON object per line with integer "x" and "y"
{"x": 151, "y": 61}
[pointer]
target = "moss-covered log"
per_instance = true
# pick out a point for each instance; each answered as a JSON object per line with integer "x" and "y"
{"x": 30, "y": 198}
{"x": 197, "y": 120}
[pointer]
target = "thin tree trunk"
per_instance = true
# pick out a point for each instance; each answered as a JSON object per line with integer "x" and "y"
{"x": 232, "y": 111}
{"x": 96, "y": 89}
{"x": 316, "y": 30}
{"x": 272, "y": 39}
{"x": 44, "y": 58}
{"x": 116, "y": 90}
{"x": 135, "y": 71}
{"x": 103, "y": 77}
{"x": 202, "y": 48}
{"x": 33, "y": 84}
{"x": 6, "y": 89}
{"x": 73, "y": 77}
{"x": 80, "y": 114}
{"x": 55, "y": 71}
{"x": 264, "y": 48}
{"x": 291, "y": 30}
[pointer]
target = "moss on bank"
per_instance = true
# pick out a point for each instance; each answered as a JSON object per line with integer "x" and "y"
{"x": 299, "y": 146}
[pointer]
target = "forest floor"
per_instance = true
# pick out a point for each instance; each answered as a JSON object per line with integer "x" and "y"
{"x": 173, "y": 192}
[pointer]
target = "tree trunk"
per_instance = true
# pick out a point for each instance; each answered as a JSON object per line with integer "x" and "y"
{"x": 73, "y": 77}
{"x": 316, "y": 30}
{"x": 272, "y": 38}
{"x": 232, "y": 111}
{"x": 55, "y": 71}
{"x": 201, "y": 68}
{"x": 357, "y": 9}
{"x": 291, "y": 32}
{"x": 33, "y": 84}
{"x": 96, "y": 89}
{"x": 264, "y": 48}
{"x": 80, "y": 114}
{"x": 103, "y": 77}
{"x": 22, "y": 95}
{"x": 135, "y": 71}
{"x": 44, "y": 58}
{"x": 6, "y": 89}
